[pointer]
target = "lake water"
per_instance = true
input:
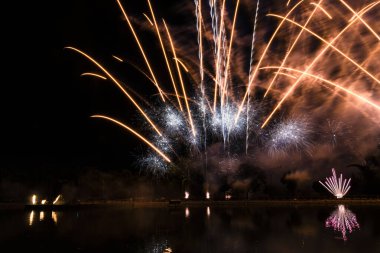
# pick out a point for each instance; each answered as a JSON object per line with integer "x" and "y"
{"x": 194, "y": 229}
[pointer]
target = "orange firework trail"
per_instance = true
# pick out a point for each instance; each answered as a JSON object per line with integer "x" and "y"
{"x": 329, "y": 44}
{"x": 209, "y": 91}
{"x": 135, "y": 133}
{"x": 181, "y": 80}
{"x": 164, "y": 52}
{"x": 261, "y": 59}
{"x": 363, "y": 99}
{"x": 291, "y": 48}
{"x": 141, "y": 49}
{"x": 95, "y": 75}
{"x": 119, "y": 85}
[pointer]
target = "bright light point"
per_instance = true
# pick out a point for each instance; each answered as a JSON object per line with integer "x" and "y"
{"x": 208, "y": 211}
{"x": 34, "y": 199}
{"x": 187, "y": 212}
{"x": 187, "y": 195}
{"x": 43, "y": 202}
{"x": 207, "y": 195}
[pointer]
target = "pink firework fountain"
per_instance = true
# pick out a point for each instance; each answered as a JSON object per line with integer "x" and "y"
{"x": 337, "y": 187}
{"x": 342, "y": 220}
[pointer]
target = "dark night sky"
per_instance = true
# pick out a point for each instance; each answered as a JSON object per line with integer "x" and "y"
{"x": 46, "y": 104}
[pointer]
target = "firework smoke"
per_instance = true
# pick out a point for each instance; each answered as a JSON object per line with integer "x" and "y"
{"x": 319, "y": 63}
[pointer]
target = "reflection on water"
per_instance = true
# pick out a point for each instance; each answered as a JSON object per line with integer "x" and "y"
{"x": 202, "y": 229}
{"x": 31, "y": 218}
{"x": 54, "y": 217}
{"x": 342, "y": 220}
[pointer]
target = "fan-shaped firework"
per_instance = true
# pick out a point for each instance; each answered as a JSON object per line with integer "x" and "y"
{"x": 342, "y": 220}
{"x": 233, "y": 98}
{"x": 337, "y": 187}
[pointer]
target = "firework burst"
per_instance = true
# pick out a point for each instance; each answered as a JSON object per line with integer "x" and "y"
{"x": 337, "y": 187}
{"x": 233, "y": 99}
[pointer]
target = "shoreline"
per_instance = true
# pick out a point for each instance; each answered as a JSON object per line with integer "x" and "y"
{"x": 200, "y": 203}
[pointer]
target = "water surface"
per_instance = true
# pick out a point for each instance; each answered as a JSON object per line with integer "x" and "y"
{"x": 194, "y": 229}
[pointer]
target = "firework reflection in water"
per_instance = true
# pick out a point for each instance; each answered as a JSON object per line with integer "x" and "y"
{"x": 342, "y": 220}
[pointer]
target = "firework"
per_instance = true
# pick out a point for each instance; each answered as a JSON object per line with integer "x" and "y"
{"x": 34, "y": 199}
{"x": 337, "y": 187}
{"x": 342, "y": 220}
{"x": 57, "y": 199}
{"x": 290, "y": 135}
{"x": 213, "y": 99}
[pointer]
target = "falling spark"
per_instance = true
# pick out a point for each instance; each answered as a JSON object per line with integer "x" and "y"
{"x": 141, "y": 50}
{"x": 95, "y": 75}
{"x": 337, "y": 187}
{"x": 181, "y": 80}
{"x": 322, "y": 9}
{"x": 187, "y": 212}
{"x": 43, "y": 202}
{"x": 182, "y": 64}
{"x": 207, "y": 195}
{"x": 163, "y": 48}
{"x": 117, "y": 58}
{"x": 187, "y": 195}
{"x": 208, "y": 211}
{"x": 119, "y": 85}
{"x": 57, "y": 199}
{"x": 147, "y": 18}
{"x": 135, "y": 133}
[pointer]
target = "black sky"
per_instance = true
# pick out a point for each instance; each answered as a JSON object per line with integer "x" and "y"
{"x": 46, "y": 105}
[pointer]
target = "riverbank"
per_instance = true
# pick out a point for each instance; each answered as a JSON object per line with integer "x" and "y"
{"x": 204, "y": 203}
